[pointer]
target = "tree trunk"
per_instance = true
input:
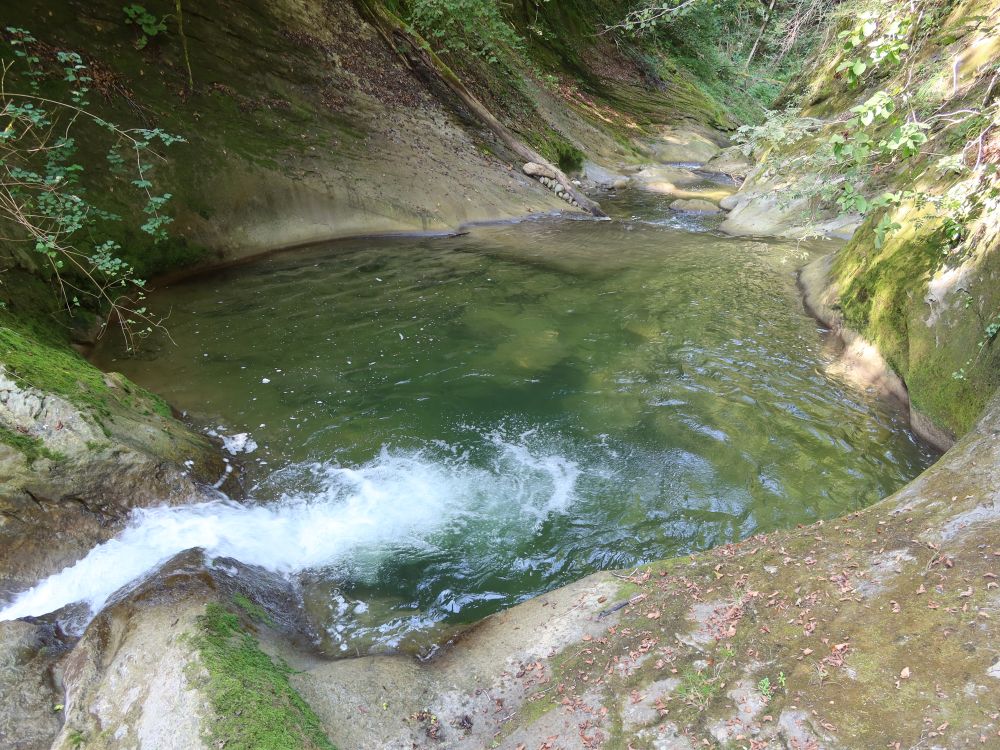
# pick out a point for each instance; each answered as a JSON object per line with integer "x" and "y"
{"x": 184, "y": 43}
{"x": 763, "y": 28}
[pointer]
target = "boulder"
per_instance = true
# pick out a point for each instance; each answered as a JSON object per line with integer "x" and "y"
{"x": 143, "y": 676}
{"x": 731, "y": 201}
{"x": 695, "y": 206}
{"x": 688, "y": 145}
{"x": 681, "y": 183}
{"x": 778, "y": 206}
{"x": 84, "y": 472}
{"x": 30, "y": 698}
{"x": 731, "y": 161}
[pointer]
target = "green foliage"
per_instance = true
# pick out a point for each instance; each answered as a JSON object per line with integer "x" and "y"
{"x": 883, "y": 228}
{"x": 764, "y": 686}
{"x": 148, "y": 25}
{"x": 906, "y": 139}
{"x": 876, "y": 40}
{"x": 651, "y": 15}
{"x": 32, "y": 447}
{"x": 43, "y": 194}
{"x": 741, "y": 51}
{"x": 851, "y": 201}
{"x": 910, "y": 130}
{"x": 255, "y": 706}
{"x": 872, "y": 138}
{"x": 464, "y": 25}
{"x": 779, "y": 129}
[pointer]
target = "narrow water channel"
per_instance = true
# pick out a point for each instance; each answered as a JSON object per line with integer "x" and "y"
{"x": 444, "y": 427}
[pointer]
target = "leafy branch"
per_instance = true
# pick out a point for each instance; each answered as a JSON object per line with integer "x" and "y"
{"x": 648, "y": 17}
{"x": 44, "y": 200}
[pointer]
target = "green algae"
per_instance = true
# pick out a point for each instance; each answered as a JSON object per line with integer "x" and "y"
{"x": 32, "y": 447}
{"x": 882, "y": 296}
{"x": 255, "y": 706}
{"x": 256, "y": 612}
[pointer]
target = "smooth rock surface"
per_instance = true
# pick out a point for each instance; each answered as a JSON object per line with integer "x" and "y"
{"x": 731, "y": 161}
{"x": 688, "y": 144}
{"x": 30, "y": 690}
{"x": 695, "y": 206}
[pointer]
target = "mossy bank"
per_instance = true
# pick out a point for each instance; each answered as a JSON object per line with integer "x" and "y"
{"x": 918, "y": 277}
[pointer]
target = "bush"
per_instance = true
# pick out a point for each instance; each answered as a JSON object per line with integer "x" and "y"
{"x": 458, "y": 25}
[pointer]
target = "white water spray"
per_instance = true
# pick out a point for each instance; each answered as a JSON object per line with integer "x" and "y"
{"x": 397, "y": 501}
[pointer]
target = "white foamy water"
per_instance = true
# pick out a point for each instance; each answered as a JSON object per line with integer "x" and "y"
{"x": 397, "y": 501}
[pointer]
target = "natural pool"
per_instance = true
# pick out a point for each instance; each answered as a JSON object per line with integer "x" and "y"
{"x": 447, "y": 426}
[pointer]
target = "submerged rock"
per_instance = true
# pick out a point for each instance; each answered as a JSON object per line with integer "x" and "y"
{"x": 695, "y": 206}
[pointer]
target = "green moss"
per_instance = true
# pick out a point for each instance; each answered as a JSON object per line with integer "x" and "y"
{"x": 52, "y": 367}
{"x": 255, "y": 611}
{"x": 882, "y": 296}
{"x": 255, "y": 706}
{"x": 32, "y": 447}
{"x": 35, "y": 352}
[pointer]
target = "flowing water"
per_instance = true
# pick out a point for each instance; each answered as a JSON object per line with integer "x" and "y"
{"x": 443, "y": 427}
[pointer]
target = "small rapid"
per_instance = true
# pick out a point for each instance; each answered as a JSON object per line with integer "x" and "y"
{"x": 399, "y": 503}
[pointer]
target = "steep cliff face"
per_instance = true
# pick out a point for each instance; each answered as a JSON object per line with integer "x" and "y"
{"x": 918, "y": 278}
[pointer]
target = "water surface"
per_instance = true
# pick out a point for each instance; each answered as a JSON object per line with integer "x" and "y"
{"x": 447, "y": 426}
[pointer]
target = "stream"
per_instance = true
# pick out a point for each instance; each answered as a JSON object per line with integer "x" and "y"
{"x": 434, "y": 429}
